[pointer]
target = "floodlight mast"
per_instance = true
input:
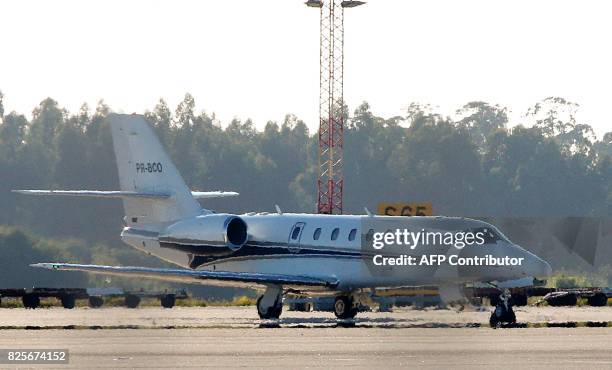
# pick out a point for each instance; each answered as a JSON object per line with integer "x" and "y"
{"x": 331, "y": 103}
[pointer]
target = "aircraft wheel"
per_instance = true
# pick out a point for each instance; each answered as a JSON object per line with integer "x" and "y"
{"x": 132, "y": 301}
{"x": 344, "y": 307}
{"x": 273, "y": 312}
{"x": 68, "y": 301}
{"x": 168, "y": 301}
{"x": 598, "y": 300}
{"x": 96, "y": 302}
{"x": 30, "y": 301}
{"x": 563, "y": 300}
{"x": 501, "y": 315}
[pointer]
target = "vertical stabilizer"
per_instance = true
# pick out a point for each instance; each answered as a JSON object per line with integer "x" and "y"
{"x": 145, "y": 167}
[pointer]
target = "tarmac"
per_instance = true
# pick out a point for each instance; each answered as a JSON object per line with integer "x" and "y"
{"x": 233, "y": 337}
{"x": 246, "y": 317}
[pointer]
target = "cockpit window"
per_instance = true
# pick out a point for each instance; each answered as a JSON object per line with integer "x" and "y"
{"x": 501, "y": 235}
{"x": 490, "y": 234}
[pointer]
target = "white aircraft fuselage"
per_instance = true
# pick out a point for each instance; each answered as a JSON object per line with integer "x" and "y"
{"x": 269, "y": 248}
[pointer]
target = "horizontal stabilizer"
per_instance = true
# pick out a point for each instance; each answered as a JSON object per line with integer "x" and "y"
{"x": 125, "y": 194}
{"x": 96, "y": 193}
{"x": 238, "y": 279}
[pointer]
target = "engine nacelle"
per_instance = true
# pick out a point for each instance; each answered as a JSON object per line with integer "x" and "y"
{"x": 214, "y": 234}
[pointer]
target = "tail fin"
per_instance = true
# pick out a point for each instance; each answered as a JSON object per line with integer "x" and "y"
{"x": 145, "y": 167}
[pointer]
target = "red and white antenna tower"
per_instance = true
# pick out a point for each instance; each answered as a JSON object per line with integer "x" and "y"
{"x": 331, "y": 103}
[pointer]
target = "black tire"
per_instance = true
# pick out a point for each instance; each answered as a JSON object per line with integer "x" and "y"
{"x": 598, "y": 300}
{"x": 565, "y": 300}
{"x": 509, "y": 319}
{"x": 273, "y": 312}
{"x": 344, "y": 308}
{"x": 68, "y": 301}
{"x": 168, "y": 301}
{"x": 96, "y": 302}
{"x": 132, "y": 301}
{"x": 31, "y": 301}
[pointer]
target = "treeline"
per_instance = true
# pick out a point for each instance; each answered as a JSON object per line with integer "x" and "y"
{"x": 20, "y": 248}
{"x": 469, "y": 165}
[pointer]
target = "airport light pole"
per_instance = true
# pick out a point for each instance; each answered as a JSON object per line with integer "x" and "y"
{"x": 330, "y": 182}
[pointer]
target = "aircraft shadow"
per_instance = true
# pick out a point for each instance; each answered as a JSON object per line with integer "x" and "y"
{"x": 381, "y": 322}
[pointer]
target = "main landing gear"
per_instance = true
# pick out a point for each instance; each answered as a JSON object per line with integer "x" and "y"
{"x": 270, "y": 304}
{"x": 344, "y": 307}
{"x": 503, "y": 314}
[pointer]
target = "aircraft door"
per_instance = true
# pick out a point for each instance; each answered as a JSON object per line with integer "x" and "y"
{"x": 295, "y": 236}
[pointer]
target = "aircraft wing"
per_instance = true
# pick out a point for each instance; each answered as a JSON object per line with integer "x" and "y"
{"x": 223, "y": 278}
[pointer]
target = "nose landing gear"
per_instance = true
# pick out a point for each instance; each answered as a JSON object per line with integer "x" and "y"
{"x": 503, "y": 314}
{"x": 270, "y": 304}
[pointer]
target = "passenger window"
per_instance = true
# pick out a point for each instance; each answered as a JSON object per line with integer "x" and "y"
{"x": 352, "y": 235}
{"x": 317, "y": 234}
{"x": 295, "y": 233}
{"x": 335, "y": 233}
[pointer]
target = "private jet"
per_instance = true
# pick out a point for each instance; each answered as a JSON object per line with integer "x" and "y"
{"x": 279, "y": 254}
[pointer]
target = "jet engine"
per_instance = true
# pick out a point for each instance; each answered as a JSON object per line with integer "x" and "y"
{"x": 215, "y": 234}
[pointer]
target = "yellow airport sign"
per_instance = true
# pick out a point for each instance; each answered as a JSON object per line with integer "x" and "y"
{"x": 405, "y": 209}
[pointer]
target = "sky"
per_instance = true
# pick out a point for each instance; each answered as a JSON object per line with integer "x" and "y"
{"x": 260, "y": 59}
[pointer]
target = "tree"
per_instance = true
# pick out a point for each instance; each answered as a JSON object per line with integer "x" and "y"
{"x": 12, "y": 136}
{"x": 368, "y": 144}
{"x": 1, "y": 106}
{"x": 556, "y": 117}
{"x": 161, "y": 118}
{"x": 437, "y": 163}
{"x": 480, "y": 120}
